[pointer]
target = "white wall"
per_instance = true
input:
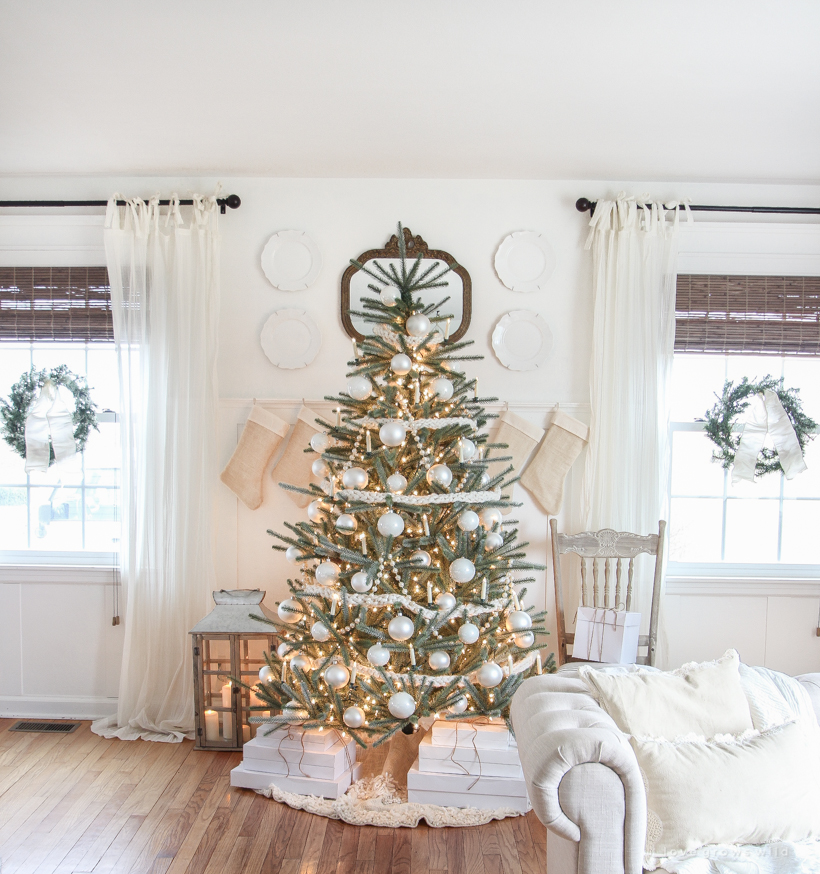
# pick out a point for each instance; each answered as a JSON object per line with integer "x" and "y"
{"x": 345, "y": 217}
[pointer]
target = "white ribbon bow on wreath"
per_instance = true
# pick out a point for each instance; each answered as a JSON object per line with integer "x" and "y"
{"x": 766, "y": 415}
{"x": 49, "y": 422}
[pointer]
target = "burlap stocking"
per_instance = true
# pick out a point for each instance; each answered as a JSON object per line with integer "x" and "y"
{"x": 262, "y": 434}
{"x": 544, "y": 478}
{"x": 294, "y": 466}
{"x": 521, "y": 437}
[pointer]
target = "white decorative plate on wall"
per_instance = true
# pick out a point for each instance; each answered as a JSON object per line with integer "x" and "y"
{"x": 291, "y": 260}
{"x": 522, "y": 340}
{"x": 291, "y": 339}
{"x": 524, "y": 261}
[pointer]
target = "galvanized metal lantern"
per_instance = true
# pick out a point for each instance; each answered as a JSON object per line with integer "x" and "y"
{"x": 229, "y": 642}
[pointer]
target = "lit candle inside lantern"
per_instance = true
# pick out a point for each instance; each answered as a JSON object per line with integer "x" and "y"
{"x": 429, "y": 593}
{"x": 227, "y": 718}
{"x": 363, "y": 540}
{"x": 211, "y": 725}
{"x": 447, "y": 330}
{"x": 538, "y": 663}
{"x": 355, "y": 348}
{"x": 367, "y": 440}
{"x": 484, "y": 589}
{"x": 426, "y": 525}
{"x": 246, "y": 733}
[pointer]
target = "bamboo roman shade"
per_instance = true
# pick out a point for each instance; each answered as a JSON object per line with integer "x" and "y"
{"x": 769, "y": 315}
{"x": 55, "y": 303}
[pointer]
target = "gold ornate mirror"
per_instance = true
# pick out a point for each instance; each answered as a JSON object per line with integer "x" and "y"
{"x": 355, "y": 285}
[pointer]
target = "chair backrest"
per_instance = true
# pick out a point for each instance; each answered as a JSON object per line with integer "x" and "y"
{"x": 603, "y": 554}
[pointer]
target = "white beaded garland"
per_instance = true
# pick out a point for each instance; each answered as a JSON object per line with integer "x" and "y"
{"x": 327, "y": 572}
{"x": 489, "y": 675}
{"x": 337, "y": 676}
{"x": 266, "y": 674}
{"x": 360, "y": 583}
{"x": 418, "y": 325}
{"x": 518, "y": 620}
{"x": 378, "y": 656}
{"x": 320, "y": 468}
{"x": 292, "y": 554}
{"x": 319, "y": 441}
{"x": 400, "y": 628}
{"x": 401, "y": 364}
{"x": 468, "y": 520}
{"x": 439, "y": 660}
{"x": 346, "y": 524}
{"x": 289, "y": 611}
{"x": 421, "y": 558}
{"x": 493, "y": 540}
{"x": 359, "y": 388}
{"x": 443, "y": 387}
{"x": 319, "y": 632}
{"x": 468, "y": 633}
{"x": 401, "y": 705}
{"x": 355, "y": 478}
{"x": 440, "y": 474}
{"x": 353, "y": 717}
{"x": 390, "y": 524}
{"x": 462, "y": 570}
{"x": 489, "y": 517}
{"x": 396, "y": 482}
{"x": 446, "y": 600}
{"x": 393, "y": 433}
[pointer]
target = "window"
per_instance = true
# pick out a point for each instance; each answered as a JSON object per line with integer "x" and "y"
{"x": 760, "y": 527}
{"x": 69, "y": 514}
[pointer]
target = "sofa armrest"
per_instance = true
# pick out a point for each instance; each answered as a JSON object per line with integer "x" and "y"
{"x": 811, "y": 683}
{"x": 560, "y": 727}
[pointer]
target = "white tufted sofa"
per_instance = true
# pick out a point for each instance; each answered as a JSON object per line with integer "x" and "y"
{"x": 582, "y": 776}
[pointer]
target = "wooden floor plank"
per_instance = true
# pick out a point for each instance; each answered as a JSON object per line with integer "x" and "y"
{"x": 454, "y": 839}
{"x": 438, "y": 849}
{"x": 509, "y": 851}
{"x": 473, "y": 855}
{"x": 383, "y": 854}
{"x": 312, "y": 849}
{"x": 367, "y": 843}
{"x": 420, "y": 848}
{"x": 347, "y": 850}
{"x": 402, "y": 851}
{"x": 331, "y": 848}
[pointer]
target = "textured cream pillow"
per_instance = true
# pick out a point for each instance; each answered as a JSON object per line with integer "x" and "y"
{"x": 703, "y": 699}
{"x": 731, "y": 790}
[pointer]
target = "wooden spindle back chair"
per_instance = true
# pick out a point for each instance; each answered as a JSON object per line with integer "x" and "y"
{"x": 616, "y": 551}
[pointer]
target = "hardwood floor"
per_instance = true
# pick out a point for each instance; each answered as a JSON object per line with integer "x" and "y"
{"x": 79, "y": 803}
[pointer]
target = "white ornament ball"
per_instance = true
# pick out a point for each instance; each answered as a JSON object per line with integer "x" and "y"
{"x": 485, "y": 480}
{"x": 378, "y": 656}
{"x": 418, "y": 325}
{"x": 468, "y": 633}
{"x": 443, "y": 387}
{"x": 319, "y": 441}
{"x": 401, "y": 364}
{"x": 467, "y": 448}
{"x": 389, "y": 296}
{"x": 359, "y": 388}
{"x": 292, "y": 554}
{"x": 320, "y": 468}
{"x": 421, "y": 558}
{"x": 355, "y": 478}
{"x": 297, "y": 714}
{"x": 459, "y": 705}
{"x": 346, "y": 524}
{"x": 462, "y": 570}
{"x": 401, "y": 705}
{"x": 360, "y": 583}
{"x": 439, "y": 660}
{"x": 390, "y": 524}
{"x": 440, "y": 474}
{"x": 315, "y": 510}
{"x": 319, "y": 632}
{"x": 489, "y": 517}
{"x": 337, "y": 676}
{"x": 289, "y": 611}
{"x": 401, "y": 628}
{"x": 266, "y": 674}
{"x": 468, "y": 521}
{"x": 493, "y": 540}
{"x": 283, "y": 649}
{"x": 525, "y": 639}
{"x": 392, "y": 433}
{"x": 353, "y": 717}
{"x": 301, "y": 662}
{"x": 327, "y": 572}
{"x": 489, "y": 675}
{"x": 396, "y": 483}
{"x": 518, "y": 620}
{"x": 446, "y": 600}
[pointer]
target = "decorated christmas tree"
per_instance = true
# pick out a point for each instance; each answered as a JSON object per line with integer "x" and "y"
{"x": 406, "y": 604}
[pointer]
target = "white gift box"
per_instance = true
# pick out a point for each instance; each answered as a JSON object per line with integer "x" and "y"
{"x": 435, "y": 759}
{"x": 493, "y": 735}
{"x": 606, "y": 635}
{"x": 323, "y": 764}
{"x": 449, "y": 790}
{"x": 298, "y": 738}
{"x": 247, "y": 779}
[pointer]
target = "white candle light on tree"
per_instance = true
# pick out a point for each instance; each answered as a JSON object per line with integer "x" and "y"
{"x": 363, "y": 540}
{"x": 355, "y": 348}
{"x": 538, "y": 668}
{"x": 429, "y": 593}
{"x": 367, "y": 440}
{"x": 338, "y": 417}
{"x": 484, "y": 589}
{"x": 426, "y": 525}
{"x": 447, "y": 330}
{"x": 412, "y": 655}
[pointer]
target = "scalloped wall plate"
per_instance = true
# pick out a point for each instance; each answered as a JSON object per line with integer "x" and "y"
{"x": 291, "y": 339}
{"x": 524, "y": 261}
{"x": 522, "y": 340}
{"x": 291, "y": 261}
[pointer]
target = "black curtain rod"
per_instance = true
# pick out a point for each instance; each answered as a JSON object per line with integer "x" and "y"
{"x": 232, "y": 200}
{"x": 584, "y": 205}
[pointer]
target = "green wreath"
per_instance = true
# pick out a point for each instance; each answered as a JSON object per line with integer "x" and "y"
{"x": 721, "y": 419}
{"x": 14, "y": 410}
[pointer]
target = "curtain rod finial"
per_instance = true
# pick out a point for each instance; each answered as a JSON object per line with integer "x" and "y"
{"x": 584, "y": 205}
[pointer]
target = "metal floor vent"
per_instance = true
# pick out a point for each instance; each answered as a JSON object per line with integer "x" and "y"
{"x": 49, "y": 727}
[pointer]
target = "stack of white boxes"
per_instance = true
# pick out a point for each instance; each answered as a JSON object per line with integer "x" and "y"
{"x": 468, "y": 764}
{"x": 305, "y": 762}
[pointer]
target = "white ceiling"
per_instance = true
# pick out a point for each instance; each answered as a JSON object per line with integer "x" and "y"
{"x": 602, "y": 89}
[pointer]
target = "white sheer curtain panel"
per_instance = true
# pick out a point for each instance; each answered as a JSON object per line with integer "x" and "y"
{"x": 164, "y": 277}
{"x": 634, "y": 255}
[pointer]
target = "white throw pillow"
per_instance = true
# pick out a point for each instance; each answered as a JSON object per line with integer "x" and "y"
{"x": 703, "y": 699}
{"x": 748, "y": 790}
